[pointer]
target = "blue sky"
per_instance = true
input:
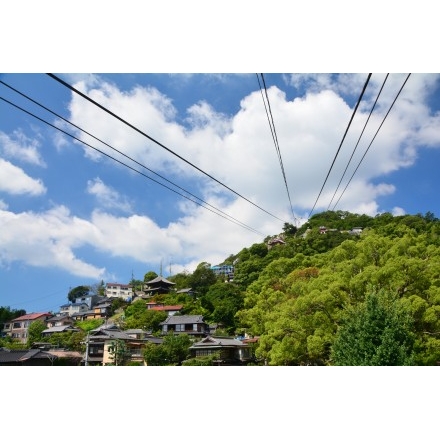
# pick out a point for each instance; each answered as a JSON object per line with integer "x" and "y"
{"x": 70, "y": 215}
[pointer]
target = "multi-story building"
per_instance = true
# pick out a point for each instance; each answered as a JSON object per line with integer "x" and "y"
{"x": 18, "y": 328}
{"x": 115, "y": 290}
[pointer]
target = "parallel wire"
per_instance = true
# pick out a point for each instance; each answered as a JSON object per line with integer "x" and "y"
{"x": 156, "y": 142}
{"x": 123, "y": 154}
{"x": 374, "y": 137}
{"x": 357, "y": 143}
{"x": 131, "y": 168}
{"x": 274, "y": 137}
{"x": 340, "y": 145}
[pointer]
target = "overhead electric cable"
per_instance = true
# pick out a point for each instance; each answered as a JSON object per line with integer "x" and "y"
{"x": 374, "y": 137}
{"x": 128, "y": 166}
{"x": 275, "y": 137}
{"x": 118, "y": 151}
{"x": 156, "y": 142}
{"x": 340, "y": 145}
{"x": 357, "y": 143}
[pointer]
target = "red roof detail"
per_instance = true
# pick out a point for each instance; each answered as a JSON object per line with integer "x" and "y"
{"x": 166, "y": 308}
{"x": 32, "y": 316}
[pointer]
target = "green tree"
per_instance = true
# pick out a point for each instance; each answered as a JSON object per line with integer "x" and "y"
{"x": 35, "y": 331}
{"x": 119, "y": 353}
{"x": 138, "y": 316}
{"x": 172, "y": 351}
{"x": 202, "y": 278}
{"x": 77, "y": 292}
{"x": 376, "y": 332}
{"x": 150, "y": 276}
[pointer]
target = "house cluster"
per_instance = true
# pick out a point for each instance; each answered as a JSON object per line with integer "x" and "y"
{"x": 100, "y": 342}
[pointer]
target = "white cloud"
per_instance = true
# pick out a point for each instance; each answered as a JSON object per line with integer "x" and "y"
{"x": 46, "y": 240}
{"x": 19, "y": 146}
{"x": 107, "y": 196}
{"x": 239, "y": 150}
{"x": 398, "y": 211}
{"x": 14, "y": 180}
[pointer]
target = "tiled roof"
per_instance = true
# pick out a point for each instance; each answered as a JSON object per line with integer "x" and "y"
{"x": 59, "y": 329}
{"x": 184, "y": 319}
{"x": 160, "y": 279}
{"x": 166, "y": 308}
{"x": 216, "y": 341}
{"x": 31, "y": 316}
{"x": 9, "y": 356}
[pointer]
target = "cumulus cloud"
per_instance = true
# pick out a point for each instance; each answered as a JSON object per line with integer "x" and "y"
{"x": 14, "y": 180}
{"x": 107, "y": 196}
{"x": 19, "y": 146}
{"x": 238, "y": 150}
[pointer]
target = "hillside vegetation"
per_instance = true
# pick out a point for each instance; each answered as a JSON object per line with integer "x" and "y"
{"x": 339, "y": 298}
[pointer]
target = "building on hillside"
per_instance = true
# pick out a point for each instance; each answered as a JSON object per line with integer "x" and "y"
{"x": 18, "y": 328}
{"x": 275, "y": 241}
{"x": 59, "y": 320}
{"x": 225, "y": 269}
{"x": 158, "y": 285}
{"x": 115, "y": 290}
{"x": 100, "y": 345}
{"x": 229, "y": 351}
{"x": 170, "y": 310}
{"x": 193, "y": 325}
{"x": 32, "y": 357}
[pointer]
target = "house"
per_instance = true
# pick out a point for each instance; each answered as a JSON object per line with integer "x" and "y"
{"x": 276, "y": 241}
{"x": 230, "y": 351}
{"x": 73, "y": 309}
{"x": 56, "y": 329}
{"x": 59, "y": 320}
{"x": 224, "y": 269}
{"x": 170, "y": 310}
{"x": 116, "y": 290}
{"x": 158, "y": 285}
{"x": 193, "y": 325}
{"x": 101, "y": 341}
{"x": 18, "y": 327}
{"x": 32, "y": 357}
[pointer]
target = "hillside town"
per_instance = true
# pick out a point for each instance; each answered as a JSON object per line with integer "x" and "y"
{"x": 99, "y": 344}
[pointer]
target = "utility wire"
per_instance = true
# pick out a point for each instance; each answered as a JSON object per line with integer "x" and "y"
{"x": 120, "y": 152}
{"x": 274, "y": 136}
{"x": 366, "y": 151}
{"x": 357, "y": 143}
{"x": 156, "y": 142}
{"x": 128, "y": 166}
{"x": 340, "y": 145}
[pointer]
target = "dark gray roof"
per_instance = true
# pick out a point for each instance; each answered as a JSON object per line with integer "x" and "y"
{"x": 15, "y": 356}
{"x": 160, "y": 279}
{"x": 184, "y": 319}
{"x": 218, "y": 341}
{"x": 60, "y": 329}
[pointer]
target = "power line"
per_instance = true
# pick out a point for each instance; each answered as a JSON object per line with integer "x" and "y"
{"x": 340, "y": 145}
{"x": 123, "y": 154}
{"x": 274, "y": 136}
{"x": 374, "y": 137}
{"x": 357, "y": 143}
{"x": 156, "y": 142}
{"x": 220, "y": 213}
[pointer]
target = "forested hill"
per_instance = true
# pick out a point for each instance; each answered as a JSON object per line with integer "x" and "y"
{"x": 330, "y": 294}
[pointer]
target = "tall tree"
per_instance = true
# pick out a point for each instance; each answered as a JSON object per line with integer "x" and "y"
{"x": 35, "y": 330}
{"x": 376, "y": 332}
{"x": 78, "y": 292}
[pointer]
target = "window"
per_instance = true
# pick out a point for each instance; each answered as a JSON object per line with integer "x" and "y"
{"x": 17, "y": 324}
